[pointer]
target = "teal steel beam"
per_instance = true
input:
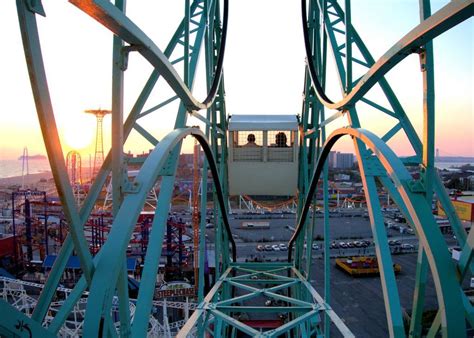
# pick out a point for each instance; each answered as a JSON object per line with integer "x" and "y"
{"x": 242, "y": 286}
{"x": 146, "y": 135}
{"x": 200, "y": 311}
{"x": 44, "y": 108}
{"x": 264, "y": 309}
{"x": 158, "y": 106}
{"x": 392, "y": 132}
{"x": 107, "y": 14}
{"x": 322, "y": 8}
{"x": 348, "y": 26}
{"x": 66, "y": 250}
{"x": 258, "y": 281}
{"x": 235, "y": 323}
{"x": 152, "y": 259}
{"x": 387, "y": 276}
{"x": 255, "y": 270}
{"x": 428, "y": 169}
{"x": 286, "y": 299}
{"x": 467, "y": 254}
{"x": 117, "y": 117}
{"x": 139, "y": 327}
{"x": 447, "y": 288}
{"x": 118, "y": 178}
{"x": 379, "y": 107}
{"x": 468, "y": 310}
{"x": 261, "y": 266}
{"x": 404, "y": 122}
{"x": 419, "y": 293}
{"x": 66, "y": 257}
{"x": 387, "y": 90}
{"x": 306, "y": 162}
{"x": 17, "y": 324}
{"x": 53, "y": 147}
{"x": 202, "y": 225}
{"x": 407, "y": 126}
{"x": 283, "y": 286}
{"x": 341, "y": 326}
{"x": 296, "y": 306}
{"x": 463, "y": 265}
{"x": 447, "y": 17}
{"x": 107, "y": 265}
{"x": 238, "y": 299}
{"x": 332, "y": 118}
{"x": 427, "y": 68}
{"x": 292, "y": 324}
{"x": 187, "y": 47}
{"x": 445, "y": 201}
{"x": 101, "y": 177}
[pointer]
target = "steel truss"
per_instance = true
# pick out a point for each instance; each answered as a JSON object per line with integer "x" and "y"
{"x": 257, "y": 281}
{"x": 21, "y": 295}
{"x": 327, "y": 28}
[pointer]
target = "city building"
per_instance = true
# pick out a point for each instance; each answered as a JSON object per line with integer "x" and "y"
{"x": 338, "y": 160}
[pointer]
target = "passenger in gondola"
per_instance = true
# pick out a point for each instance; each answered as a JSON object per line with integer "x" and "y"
{"x": 251, "y": 141}
{"x": 280, "y": 140}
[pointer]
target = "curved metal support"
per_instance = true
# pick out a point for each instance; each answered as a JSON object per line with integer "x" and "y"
{"x": 117, "y": 22}
{"x": 447, "y": 17}
{"x": 443, "y": 270}
{"x": 108, "y": 267}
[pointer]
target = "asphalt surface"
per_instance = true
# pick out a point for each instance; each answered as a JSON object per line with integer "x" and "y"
{"x": 358, "y": 301}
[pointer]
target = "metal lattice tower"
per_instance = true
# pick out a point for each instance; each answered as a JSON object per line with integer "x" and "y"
{"x": 99, "y": 138}
{"x": 25, "y": 169}
{"x": 74, "y": 170}
{"x": 328, "y": 30}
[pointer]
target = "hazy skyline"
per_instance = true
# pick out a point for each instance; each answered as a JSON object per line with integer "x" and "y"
{"x": 263, "y": 69}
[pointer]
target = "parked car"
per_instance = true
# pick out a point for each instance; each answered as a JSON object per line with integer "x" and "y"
{"x": 315, "y": 246}
{"x": 283, "y": 247}
{"x": 407, "y": 246}
{"x": 334, "y": 245}
{"x": 260, "y": 247}
{"x": 268, "y": 247}
{"x": 275, "y": 247}
{"x": 342, "y": 245}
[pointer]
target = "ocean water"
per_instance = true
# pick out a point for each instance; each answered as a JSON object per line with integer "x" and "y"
{"x": 448, "y": 165}
{"x": 10, "y": 168}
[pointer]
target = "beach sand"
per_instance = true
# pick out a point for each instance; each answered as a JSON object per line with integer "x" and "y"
{"x": 32, "y": 181}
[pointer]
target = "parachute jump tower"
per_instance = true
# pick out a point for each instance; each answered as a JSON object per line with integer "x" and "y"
{"x": 327, "y": 31}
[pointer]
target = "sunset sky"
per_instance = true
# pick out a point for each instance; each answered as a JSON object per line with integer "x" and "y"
{"x": 264, "y": 69}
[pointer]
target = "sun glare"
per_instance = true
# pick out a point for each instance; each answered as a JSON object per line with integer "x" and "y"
{"x": 79, "y": 132}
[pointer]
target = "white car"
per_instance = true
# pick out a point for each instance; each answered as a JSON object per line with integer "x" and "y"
{"x": 283, "y": 247}
{"x": 275, "y": 247}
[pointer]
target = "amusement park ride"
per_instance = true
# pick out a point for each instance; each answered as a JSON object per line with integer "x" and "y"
{"x": 240, "y": 287}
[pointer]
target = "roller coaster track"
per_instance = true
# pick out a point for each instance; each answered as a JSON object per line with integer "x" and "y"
{"x": 238, "y": 285}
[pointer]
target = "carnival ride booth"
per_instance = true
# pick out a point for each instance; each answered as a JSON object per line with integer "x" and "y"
{"x": 263, "y": 155}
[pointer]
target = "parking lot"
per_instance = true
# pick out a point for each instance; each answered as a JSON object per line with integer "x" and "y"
{"x": 359, "y": 301}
